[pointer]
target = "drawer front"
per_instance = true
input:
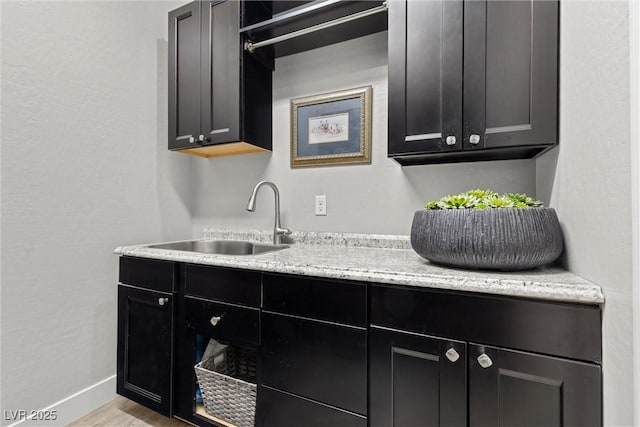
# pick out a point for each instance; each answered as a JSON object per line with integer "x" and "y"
{"x": 560, "y": 329}
{"x": 333, "y": 301}
{"x": 239, "y": 325}
{"x": 148, "y": 273}
{"x": 223, "y": 284}
{"x": 278, "y": 409}
{"x": 317, "y": 360}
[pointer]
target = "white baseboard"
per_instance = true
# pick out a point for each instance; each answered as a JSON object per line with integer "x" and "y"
{"x": 73, "y": 407}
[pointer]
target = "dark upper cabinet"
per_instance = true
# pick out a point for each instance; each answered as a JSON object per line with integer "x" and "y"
{"x": 505, "y": 52}
{"x": 219, "y": 94}
{"x": 512, "y": 388}
{"x": 184, "y": 76}
{"x": 425, "y": 76}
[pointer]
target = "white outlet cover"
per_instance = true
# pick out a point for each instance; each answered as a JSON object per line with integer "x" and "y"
{"x": 321, "y": 205}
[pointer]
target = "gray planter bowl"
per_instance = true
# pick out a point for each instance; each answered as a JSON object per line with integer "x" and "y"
{"x": 498, "y": 239}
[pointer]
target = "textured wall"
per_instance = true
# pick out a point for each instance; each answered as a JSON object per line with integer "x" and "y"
{"x": 376, "y": 198}
{"x": 587, "y": 179}
{"x": 634, "y": 17}
{"x": 0, "y": 214}
{"x": 84, "y": 169}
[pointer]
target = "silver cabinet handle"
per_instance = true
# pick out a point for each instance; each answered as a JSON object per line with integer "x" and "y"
{"x": 484, "y": 361}
{"x": 192, "y": 140}
{"x": 474, "y": 139}
{"x": 201, "y": 138}
{"x": 451, "y": 140}
{"x": 163, "y": 301}
{"x": 215, "y": 320}
{"x": 452, "y": 355}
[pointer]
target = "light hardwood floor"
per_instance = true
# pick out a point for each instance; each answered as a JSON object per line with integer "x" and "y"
{"x": 121, "y": 412}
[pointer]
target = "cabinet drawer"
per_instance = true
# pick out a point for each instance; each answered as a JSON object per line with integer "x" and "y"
{"x": 316, "y": 360}
{"x": 234, "y": 323}
{"x": 223, "y": 284}
{"x": 560, "y": 329}
{"x": 148, "y": 273}
{"x": 333, "y": 301}
{"x": 278, "y": 409}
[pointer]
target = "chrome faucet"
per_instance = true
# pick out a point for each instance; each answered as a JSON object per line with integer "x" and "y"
{"x": 278, "y": 231}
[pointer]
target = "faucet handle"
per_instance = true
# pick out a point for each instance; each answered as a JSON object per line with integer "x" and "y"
{"x": 279, "y": 233}
{"x": 283, "y": 231}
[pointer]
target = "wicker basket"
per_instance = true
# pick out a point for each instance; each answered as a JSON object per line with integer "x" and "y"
{"x": 224, "y": 394}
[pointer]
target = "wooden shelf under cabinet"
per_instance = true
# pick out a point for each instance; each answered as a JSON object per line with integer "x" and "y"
{"x": 200, "y": 411}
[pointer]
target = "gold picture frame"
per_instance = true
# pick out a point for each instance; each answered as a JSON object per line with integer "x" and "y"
{"x": 331, "y": 128}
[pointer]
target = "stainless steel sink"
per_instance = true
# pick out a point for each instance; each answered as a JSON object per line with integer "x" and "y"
{"x": 220, "y": 247}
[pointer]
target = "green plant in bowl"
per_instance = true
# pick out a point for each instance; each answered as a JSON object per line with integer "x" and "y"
{"x": 481, "y": 229}
{"x": 483, "y": 199}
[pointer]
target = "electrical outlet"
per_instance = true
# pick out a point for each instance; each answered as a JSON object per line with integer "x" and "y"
{"x": 321, "y": 205}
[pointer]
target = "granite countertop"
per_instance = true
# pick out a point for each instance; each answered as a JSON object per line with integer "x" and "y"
{"x": 382, "y": 259}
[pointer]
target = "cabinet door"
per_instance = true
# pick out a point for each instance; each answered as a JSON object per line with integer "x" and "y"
{"x": 425, "y": 76}
{"x": 510, "y": 73}
{"x": 527, "y": 390}
{"x": 184, "y": 76}
{"x": 220, "y": 102}
{"x": 414, "y": 382}
{"x": 145, "y": 331}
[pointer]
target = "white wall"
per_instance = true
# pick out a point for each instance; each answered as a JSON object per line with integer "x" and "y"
{"x": 587, "y": 179}
{"x": 634, "y": 17}
{"x": 376, "y": 198}
{"x": 84, "y": 169}
{"x": 0, "y": 210}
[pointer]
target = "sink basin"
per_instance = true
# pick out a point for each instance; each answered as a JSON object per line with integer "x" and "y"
{"x": 220, "y": 247}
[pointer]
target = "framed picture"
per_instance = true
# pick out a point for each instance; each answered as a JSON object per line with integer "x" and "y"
{"x": 331, "y": 129}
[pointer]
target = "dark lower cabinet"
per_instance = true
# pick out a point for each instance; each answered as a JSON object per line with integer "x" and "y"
{"x": 416, "y": 380}
{"x": 223, "y": 305}
{"x": 145, "y": 331}
{"x": 511, "y": 388}
{"x": 325, "y": 353}
{"x": 316, "y": 360}
{"x": 313, "y": 352}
